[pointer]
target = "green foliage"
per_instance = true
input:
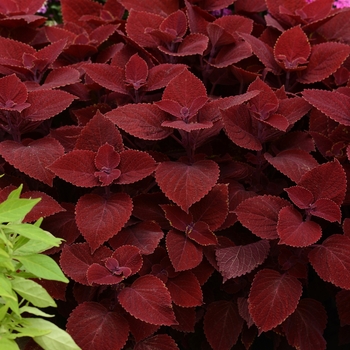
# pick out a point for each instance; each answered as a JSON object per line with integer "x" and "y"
{"x": 20, "y": 261}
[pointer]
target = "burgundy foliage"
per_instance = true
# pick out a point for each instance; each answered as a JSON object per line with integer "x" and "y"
{"x": 194, "y": 155}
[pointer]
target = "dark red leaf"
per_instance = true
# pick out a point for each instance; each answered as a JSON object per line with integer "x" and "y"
{"x": 157, "y": 342}
{"x": 160, "y": 75}
{"x": 62, "y": 225}
{"x": 110, "y": 77}
{"x": 134, "y": 166}
{"x": 177, "y": 217}
{"x": 165, "y": 7}
{"x": 331, "y": 260}
{"x": 343, "y": 306}
{"x": 128, "y": 256}
{"x": 305, "y": 326}
{"x": 324, "y": 60}
{"x": 76, "y": 259}
{"x": 239, "y": 128}
{"x": 332, "y": 103}
{"x": 34, "y": 157}
{"x": 141, "y": 120}
{"x": 92, "y": 326}
{"x": 99, "y": 218}
{"x": 99, "y": 274}
{"x": 243, "y": 310}
{"x": 185, "y": 290}
{"x": 292, "y": 49}
{"x": 45, "y": 104}
{"x": 185, "y": 89}
{"x": 260, "y": 215}
{"x": 139, "y": 329}
{"x": 294, "y": 231}
{"x": 62, "y": 76}
{"x": 46, "y": 207}
{"x": 240, "y": 260}
{"x": 186, "y": 184}
{"x": 149, "y": 300}
{"x": 186, "y": 317}
{"x": 77, "y": 167}
{"x": 97, "y": 132}
{"x": 272, "y": 298}
{"x": 222, "y": 324}
{"x": 144, "y": 235}
{"x": 326, "y": 209}
{"x": 213, "y": 208}
{"x": 183, "y": 252}
{"x": 263, "y": 51}
{"x": 293, "y": 163}
{"x": 326, "y": 181}
{"x": 136, "y": 72}
{"x": 13, "y": 93}
{"x": 300, "y": 196}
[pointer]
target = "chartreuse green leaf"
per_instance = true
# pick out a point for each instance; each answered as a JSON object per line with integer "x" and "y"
{"x": 8, "y": 344}
{"x": 42, "y": 266}
{"x": 14, "y": 209}
{"x": 32, "y": 292}
{"x": 57, "y": 339}
{"x": 34, "y": 311}
{"x": 33, "y": 232}
{"x": 6, "y": 289}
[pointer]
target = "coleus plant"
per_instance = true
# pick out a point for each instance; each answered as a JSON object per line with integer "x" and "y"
{"x": 194, "y": 155}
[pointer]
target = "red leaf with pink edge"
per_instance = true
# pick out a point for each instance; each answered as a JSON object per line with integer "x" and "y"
{"x": 97, "y": 274}
{"x": 76, "y": 259}
{"x": 292, "y": 49}
{"x": 62, "y": 76}
{"x": 324, "y": 60}
{"x": 136, "y": 72}
{"x": 141, "y": 120}
{"x": 148, "y": 300}
{"x": 165, "y": 7}
{"x": 332, "y": 103}
{"x": 326, "y": 209}
{"x": 239, "y": 260}
{"x": 185, "y": 89}
{"x": 13, "y": 93}
{"x": 300, "y": 196}
{"x": 343, "y": 306}
{"x": 213, "y": 208}
{"x": 157, "y": 342}
{"x": 336, "y": 28}
{"x": 62, "y": 225}
{"x": 296, "y": 232}
{"x": 186, "y": 184}
{"x": 160, "y": 75}
{"x": 260, "y": 215}
{"x": 175, "y": 24}
{"x": 239, "y": 128}
{"x": 134, "y": 166}
{"x": 222, "y": 324}
{"x": 138, "y": 25}
{"x": 46, "y": 207}
{"x": 99, "y": 218}
{"x": 77, "y": 167}
{"x": 272, "y": 298}
{"x": 14, "y": 49}
{"x": 327, "y": 180}
{"x": 34, "y": 157}
{"x": 263, "y": 51}
{"x": 72, "y": 12}
{"x": 110, "y": 77}
{"x": 192, "y": 44}
{"x": 97, "y": 132}
{"x": 304, "y": 328}
{"x": 185, "y": 290}
{"x": 183, "y": 252}
{"x": 94, "y": 327}
{"x": 45, "y": 104}
{"x": 145, "y": 235}
{"x": 293, "y": 163}
{"x": 128, "y": 256}
{"x": 177, "y": 217}
{"x": 331, "y": 260}
{"x": 293, "y": 108}
{"x": 201, "y": 234}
